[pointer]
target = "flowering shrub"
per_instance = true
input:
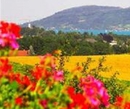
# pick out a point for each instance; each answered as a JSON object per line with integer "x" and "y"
{"x": 93, "y": 96}
{"x": 46, "y": 86}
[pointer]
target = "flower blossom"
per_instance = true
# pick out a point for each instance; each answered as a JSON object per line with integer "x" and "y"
{"x": 19, "y": 101}
{"x": 43, "y": 103}
{"x": 78, "y": 100}
{"x": 94, "y": 91}
{"x": 58, "y": 76}
{"x": 122, "y": 103}
{"x": 5, "y": 67}
{"x": 9, "y": 32}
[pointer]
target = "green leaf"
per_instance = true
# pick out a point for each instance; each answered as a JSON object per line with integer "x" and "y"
{"x": 4, "y": 80}
{"x": 14, "y": 85}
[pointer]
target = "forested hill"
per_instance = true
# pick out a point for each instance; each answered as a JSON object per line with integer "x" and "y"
{"x": 87, "y": 17}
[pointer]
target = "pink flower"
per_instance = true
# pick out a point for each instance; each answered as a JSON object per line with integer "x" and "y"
{"x": 104, "y": 96}
{"x": 94, "y": 91}
{"x": 95, "y": 102}
{"x": 8, "y": 40}
{"x": 58, "y": 76}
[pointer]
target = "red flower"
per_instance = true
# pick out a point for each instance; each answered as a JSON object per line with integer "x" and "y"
{"x": 23, "y": 81}
{"x": 78, "y": 100}
{"x": 9, "y": 32}
{"x": 43, "y": 103}
{"x": 37, "y": 73}
{"x": 26, "y": 81}
{"x": 9, "y": 28}
{"x": 15, "y": 29}
{"x": 16, "y": 77}
{"x": 70, "y": 90}
{"x": 5, "y": 67}
{"x": 19, "y": 101}
{"x": 3, "y": 27}
{"x": 127, "y": 105}
{"x": 33, "y": 86}
{"x": 119, "y": 101}
{"x": 40, "y": 72}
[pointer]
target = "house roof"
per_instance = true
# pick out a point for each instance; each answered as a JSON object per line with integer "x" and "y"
{"x": 22, "y": 53}
{"x": 19, "y": 53}
{"x": 106, "y": 37}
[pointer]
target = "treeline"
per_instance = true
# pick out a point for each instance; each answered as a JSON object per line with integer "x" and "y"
{"x": 41, "y": 41}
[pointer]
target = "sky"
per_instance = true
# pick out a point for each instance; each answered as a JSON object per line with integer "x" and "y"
{"x": 20, "y": 11}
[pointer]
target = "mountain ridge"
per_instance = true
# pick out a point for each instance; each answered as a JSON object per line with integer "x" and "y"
{"x": 87, "y": 17}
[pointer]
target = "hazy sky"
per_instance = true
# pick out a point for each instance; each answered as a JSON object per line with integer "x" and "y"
{"x": 20, "y": 11}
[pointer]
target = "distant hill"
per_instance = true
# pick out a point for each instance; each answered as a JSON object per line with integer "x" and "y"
{"x": 87, "y": 17}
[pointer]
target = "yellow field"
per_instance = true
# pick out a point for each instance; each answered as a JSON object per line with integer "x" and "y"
{"x": 120, "y": 63}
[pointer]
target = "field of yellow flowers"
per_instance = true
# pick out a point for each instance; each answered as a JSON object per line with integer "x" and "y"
{"x": 116, "y": 63}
